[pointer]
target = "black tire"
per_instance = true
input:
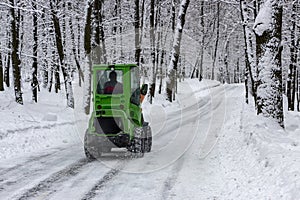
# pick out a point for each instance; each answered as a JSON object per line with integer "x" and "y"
{"x": 90, "y": 155}
{"x": 148, "y": 139}
{"x": 138, "y": 145}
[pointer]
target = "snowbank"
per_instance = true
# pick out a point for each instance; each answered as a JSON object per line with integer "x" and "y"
{"x": 35, "y": 127}
{"x": 261, "y": 160}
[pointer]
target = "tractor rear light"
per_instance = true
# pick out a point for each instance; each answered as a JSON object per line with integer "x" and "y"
{"x": 99, "y": 107}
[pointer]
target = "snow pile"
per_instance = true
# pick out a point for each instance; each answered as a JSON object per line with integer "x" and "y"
{"x": 260, "y": 159}
{"x": 35, "y": 127}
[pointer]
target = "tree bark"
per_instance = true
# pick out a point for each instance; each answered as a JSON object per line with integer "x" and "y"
{"x": 80, "y": 72}
{"x": 34, "y": 81}
{"x": 141, "y": 33}
{"x": 87, "y": 49}
{"x": 1, "y": 73}
{"x": 114, "y": 32}
{"x": 202, "y": 41}
{"x": 249, "y": 60}
{"x": 226, "y": 63}
{"x": 268, "y": 37}
{"x": 152, "y": 44}
{"x": 15, "y": 54}
{"x": 8, "y": 62}
{"x": 60, "y": 50}
{"x": 98, "y": 40}
{"x": 291, "y": 81}
{"x": 176, "y": 49}
{"x": 44, "y": 49}
{"x": 104, "y": 56}
{"x": 298, "y": 91}
{"x": 7, "y": 69}
{"x": 137, "y": 32}
{"x": 217, "y": 41}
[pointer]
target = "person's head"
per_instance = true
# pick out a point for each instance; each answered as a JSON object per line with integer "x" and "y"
{"x": 113, "y": 76}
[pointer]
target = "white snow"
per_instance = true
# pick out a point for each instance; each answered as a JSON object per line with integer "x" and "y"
{"x": 208, "y": 144}
{"x": 264, "y": 18}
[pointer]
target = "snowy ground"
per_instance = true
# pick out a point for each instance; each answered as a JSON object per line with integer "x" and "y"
{"x": 207, "y": 145}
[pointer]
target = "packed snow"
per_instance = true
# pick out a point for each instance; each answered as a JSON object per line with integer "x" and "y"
{"x": 208, "y": 144}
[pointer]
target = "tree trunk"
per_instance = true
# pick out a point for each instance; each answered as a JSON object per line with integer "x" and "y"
{"x": 15, "y": 54}
{"x": 298, "y": 91}
{"x": 268, "y": 37}
{"x": 202, "y": 41}
{"x": 114, "y": 32}
{"x": 98, "y": 40}
{"x": 60, "y": 50}
{"x": 80, "y": 72}
{"x": 137, "y": 32}
{"x": 7, "y": 66}
{"x": 152, "y": 44}
{"x": 159, "y": 34}
{"x": 78, "y": 37}
{"x": 54, "y": 67}
{"x": 120, "y": 27}
{"x": 1, "y": 73}
{"x": 44, "y": 49}
{"x": 141, "y": 31}
{"x": 104, "y": 56}
{"x": 291, "y": 81}
{"x": 56, "y": 70}
{"x": 217, "y": 41}
{"x": 249, "y": 60}
{"x": 161, "y": 71}
{"x": 176, "y": 49}
{"x": 227, "y": 74}
{"x": 34, "y": 81}
{"x": 87, "y": 49}
{"x": 246, "y": 86}
{"x": 237, "y": 78}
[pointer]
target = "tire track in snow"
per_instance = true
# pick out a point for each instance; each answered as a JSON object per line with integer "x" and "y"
{"x": 170, "y": 182}
{"x": 10, "y": 132}
{"x": 26, "y": 169}
{"x": 60, "y": 176}
{"x": 33, "y": 159}
{"x": 109, "y": 176}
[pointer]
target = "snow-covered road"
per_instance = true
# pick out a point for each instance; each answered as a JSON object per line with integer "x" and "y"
{"x": 184, "y": 163}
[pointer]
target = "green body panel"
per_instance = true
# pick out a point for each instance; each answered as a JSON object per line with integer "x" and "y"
{"x": 116, "y": 105}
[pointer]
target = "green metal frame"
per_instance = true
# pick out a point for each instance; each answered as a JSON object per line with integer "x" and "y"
{"x": 116, "y": 105}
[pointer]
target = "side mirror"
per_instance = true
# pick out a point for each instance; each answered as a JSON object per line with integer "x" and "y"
{"x": 144, "y": 89}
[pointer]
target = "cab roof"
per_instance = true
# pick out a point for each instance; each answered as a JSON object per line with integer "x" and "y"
{"x": 114, "y": 65}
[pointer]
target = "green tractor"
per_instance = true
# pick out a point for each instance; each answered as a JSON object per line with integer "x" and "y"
{"x": 117, "y": 119}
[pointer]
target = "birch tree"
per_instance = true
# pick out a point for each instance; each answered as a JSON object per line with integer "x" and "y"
{"x": 267, "y": 28}
{"x": 170, "y": 82}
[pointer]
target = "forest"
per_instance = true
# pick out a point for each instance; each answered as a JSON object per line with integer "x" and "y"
{"x": 49, "y": 45}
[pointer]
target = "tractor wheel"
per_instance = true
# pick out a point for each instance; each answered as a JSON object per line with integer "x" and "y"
{"x": 148, "y": 139}
{"x": 138, "y": 146}
{"x": 89, "y": 153}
